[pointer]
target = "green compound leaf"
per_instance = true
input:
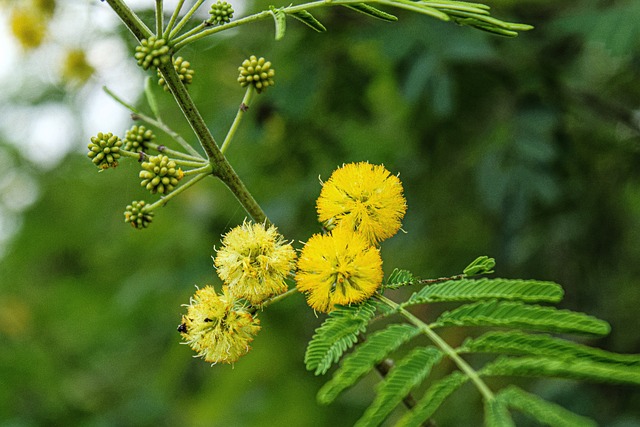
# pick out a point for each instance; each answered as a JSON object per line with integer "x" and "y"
{"x": 481, "y": 265}
{"x": 520, "y": 343}
{"x": 399, "y": 278}
{"x": 432, "y": 399}
{"x": 475, "y": 289}
{"x": 371, "y": 11}
{"x": 545, "y": 412}
{"x": 409, "y": 372}
{"x": 280, "y": 19}
{"x": 337, "y": 334}
{"x": 309, "y": 20}
{"x": 518, "y": 315}
{"x": 571, "y": 369}
{"x": 496, "y": 414}
{"x": 369, "y": 353}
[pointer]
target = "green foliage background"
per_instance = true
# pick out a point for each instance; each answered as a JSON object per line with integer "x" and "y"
{"x": 525, "y": 149}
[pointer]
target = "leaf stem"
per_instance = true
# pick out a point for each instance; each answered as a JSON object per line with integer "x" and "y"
{"x": 159, "y": 17}
{"x": 165, "y": 199}
{"x": 173, "y": 19}
{"x": 244, "y": 106}
{"x": 443, "y": 345}
{"x": 163, "y": 149}
{"x": 185, "y": 19}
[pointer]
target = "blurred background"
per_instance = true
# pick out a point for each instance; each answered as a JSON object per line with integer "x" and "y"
{"x": 525, "y": 149}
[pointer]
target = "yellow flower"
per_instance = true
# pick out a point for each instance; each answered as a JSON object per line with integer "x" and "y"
{"x": 363, "y": 197}
{"x": 338, "y": 268}
{"x": 216, "y": 327}
{"x": 75, "y": 67}
{"x": 28, "y": 26}
{"x": 254, "y": 262}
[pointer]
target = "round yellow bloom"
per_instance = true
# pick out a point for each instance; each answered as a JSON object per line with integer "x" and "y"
{"x": 365, "y": 198}
{"x": 216, "y": 327}
{"x": 338, "y": 268}
{"x": 254, "y": 262}
{"x": 28, "y": 26}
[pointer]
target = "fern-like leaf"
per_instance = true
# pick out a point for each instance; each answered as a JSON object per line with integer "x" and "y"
{"x": 409, "y": 372}
{"x": 371, "y": 352}
{"x": 496, "y": 414}
{"x": 432, "y": 399}
{"x": 545, "y": 412}
{"x": 399, "y": 278}
{"x": 571, "y": 369}
{"x": 520, "y": 343}
{"x": 518, "y": 315}
{"x": 309, "y": 20}
{"x": 475, "y": 289}
{"x": 337, "y": 334}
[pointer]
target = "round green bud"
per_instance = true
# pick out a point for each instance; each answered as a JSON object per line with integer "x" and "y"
{"x": 183, "y": 68}
{"x": 104, "y": 150}
{"x": 221, "y": 13}
{"x": 256, "y": 72}
{"x": 138, "y": 138}
{"x": 152, "y": 51}
{"x": 160, "y": 174}
{"x": 137, "y": 215}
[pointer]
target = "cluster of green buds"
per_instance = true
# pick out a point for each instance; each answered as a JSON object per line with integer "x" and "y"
{"x": 137, "y": 215}
{"x": 160, "y": 174}
{"x": 183, "y": 68}
{"x": 104, "y": 150}
{"x": 256, "y": 72}
{"x": 221, "y": 13}
{"x": 138, "y": 138}
{"x": 152, "y": 51}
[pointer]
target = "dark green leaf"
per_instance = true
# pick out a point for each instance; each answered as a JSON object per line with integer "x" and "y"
{"x": 371, "y": 11}
{"x": 309, "y": 20}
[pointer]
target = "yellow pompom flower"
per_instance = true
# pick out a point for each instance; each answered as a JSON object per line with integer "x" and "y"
{"x": 254, "y": 262}
{"x": 217, "y": 327}
{"x": 365, "y": 198}
{"x": 28, "y": 26}
{"x": 338, "y": 268}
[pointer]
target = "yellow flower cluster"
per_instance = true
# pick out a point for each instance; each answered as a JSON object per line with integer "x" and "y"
{"x": 217, "y": 327}
{"x": 361, "y": 205}
{"x": 254, "y": 262}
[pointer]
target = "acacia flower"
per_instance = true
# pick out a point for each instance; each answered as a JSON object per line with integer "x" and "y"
{"x": 217, "y": 327}
{"x": 365, "y": 198}
{"x": 338, "y": 268}
{"x": 254, "y": 261}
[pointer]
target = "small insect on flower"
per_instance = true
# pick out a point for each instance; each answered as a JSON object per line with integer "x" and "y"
{"x": 254, "y": 262}
{"x": 218, "y": 327}
{"x": 338, "y": 268}
{"x": 365, "y": 198}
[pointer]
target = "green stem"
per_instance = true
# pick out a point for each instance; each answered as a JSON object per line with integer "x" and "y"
{"x": 185, "y": 19}
{"x": 442, "y": 344}
{"x": 159, "y": 17}
{"x": 174, "y": 153}
{"x": 164, "y": 200}
{"x": 172, "y": 20}
{"x": 189, "y": 33}
{"x": 275, "y": 299}
{"x": 244, "y": 106}
{"x": 130, "y": 19}
{"x": 202, "y": 169}
{"x": 137, "y": 115}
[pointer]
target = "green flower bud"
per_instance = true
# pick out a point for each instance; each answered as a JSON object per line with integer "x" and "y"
{"x": 137, "y": 215}
{"x": 221, "y": 13}
{"x": 183, "y": 69}
{"x": 256, "y": 72}
{"x": 138, "y": 138}
{"x": 104, "y": 150}
{"x": 160, "y": 174}
{"x": 152, "y": 51}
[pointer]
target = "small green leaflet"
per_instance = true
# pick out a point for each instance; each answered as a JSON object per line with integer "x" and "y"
{"x": 371, "y": 11}
{"x": 309, "y": 20}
